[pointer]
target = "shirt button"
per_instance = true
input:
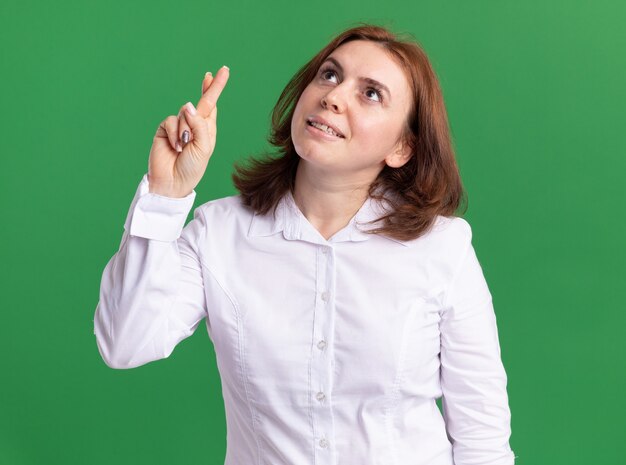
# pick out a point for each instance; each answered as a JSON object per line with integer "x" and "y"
{"x": 323, "y": 443}
{"x": 321, "y": 345}
{"x": 320, "y": 396}
{"x": 324, "y": 250}
{"x": 325, "y": 296}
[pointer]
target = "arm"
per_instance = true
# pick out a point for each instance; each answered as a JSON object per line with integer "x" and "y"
{"x": 152, "y": 293}
{"x": 473, "y": 379}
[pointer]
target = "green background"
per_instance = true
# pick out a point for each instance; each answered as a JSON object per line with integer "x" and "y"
{"x": 535, "y": 96}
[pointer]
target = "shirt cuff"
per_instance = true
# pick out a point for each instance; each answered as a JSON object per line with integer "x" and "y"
{"x": 154, "y": 216}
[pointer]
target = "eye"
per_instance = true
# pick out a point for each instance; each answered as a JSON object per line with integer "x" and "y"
{"x": 325, "y": 71}
{"x": 378, "y": 91}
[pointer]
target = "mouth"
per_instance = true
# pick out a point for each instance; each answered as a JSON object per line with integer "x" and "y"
{"x": 324, "y": 128}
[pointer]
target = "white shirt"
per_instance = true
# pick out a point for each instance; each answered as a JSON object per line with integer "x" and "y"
{"x": 329, "y": 351}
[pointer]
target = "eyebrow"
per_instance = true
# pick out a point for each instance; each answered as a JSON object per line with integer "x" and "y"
{"x": 361, "y": 78}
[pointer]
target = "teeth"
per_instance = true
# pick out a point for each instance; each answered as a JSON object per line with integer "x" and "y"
{"x": 324, "y": 128}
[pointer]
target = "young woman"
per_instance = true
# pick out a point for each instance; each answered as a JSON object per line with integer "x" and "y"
{"x": 341, "y": 293}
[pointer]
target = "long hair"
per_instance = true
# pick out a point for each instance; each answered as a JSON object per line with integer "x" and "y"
{"x": 427, "y": 185}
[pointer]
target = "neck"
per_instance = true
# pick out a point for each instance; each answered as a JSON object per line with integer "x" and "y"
{"x": 329, "y": 202}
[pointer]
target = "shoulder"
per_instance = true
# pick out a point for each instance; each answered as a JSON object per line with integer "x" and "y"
{"x": 452, "y": 227}
{"x": 448, "y": 238}
{"x": 450, "y": 241}
{"x": 221, "y": 223}
{"x": 225, "y": 208}
{"x": 445, "y": 232}
{"x": 224, "y": 217}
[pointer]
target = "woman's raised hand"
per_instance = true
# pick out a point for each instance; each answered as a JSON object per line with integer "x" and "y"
{"x": 177, "y": 160}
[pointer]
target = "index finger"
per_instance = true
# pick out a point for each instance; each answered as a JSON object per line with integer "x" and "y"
{"x": 207, "y": 102}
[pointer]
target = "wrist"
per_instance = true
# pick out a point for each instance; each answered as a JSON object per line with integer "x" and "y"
{"x": 169, "y": 193}
{"x": 167, "y": 189}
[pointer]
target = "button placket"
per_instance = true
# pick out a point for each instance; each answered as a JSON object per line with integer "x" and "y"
{"x": 321, "y": 361}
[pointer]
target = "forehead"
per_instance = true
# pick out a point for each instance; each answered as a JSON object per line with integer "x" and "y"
{"x": 363, "y": 58}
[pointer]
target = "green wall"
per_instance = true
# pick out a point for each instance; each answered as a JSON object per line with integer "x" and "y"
{"x": 535, "y": 96}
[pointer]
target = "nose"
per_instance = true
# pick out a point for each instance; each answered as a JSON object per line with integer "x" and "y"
{"x": 333, "y": 101}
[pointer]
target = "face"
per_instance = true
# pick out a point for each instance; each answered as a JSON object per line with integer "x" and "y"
{"x": 370, "y": 117}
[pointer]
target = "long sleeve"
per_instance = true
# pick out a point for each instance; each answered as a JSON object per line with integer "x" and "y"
{"x": 151, "y": 293}
{"x": 473, "y": 378}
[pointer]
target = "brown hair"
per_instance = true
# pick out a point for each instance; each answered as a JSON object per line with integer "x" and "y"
{"x": 427, "y": 185}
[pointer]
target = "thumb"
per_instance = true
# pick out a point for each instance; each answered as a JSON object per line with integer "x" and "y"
{"x": 198, "y": 127}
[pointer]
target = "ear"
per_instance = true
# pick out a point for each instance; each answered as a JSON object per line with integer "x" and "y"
{"x": 399, "y": 156}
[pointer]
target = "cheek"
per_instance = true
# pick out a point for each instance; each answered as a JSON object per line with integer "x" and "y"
{"x": 373, "y": 139}
{"x": 297, "y": 114}
{"x": 306, "y": 97}
{"x": 370, "y": 134}
{"x": 300, "y": 108}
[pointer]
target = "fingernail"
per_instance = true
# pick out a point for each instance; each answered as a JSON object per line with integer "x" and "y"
{"x": 208, "y": 73}
{"x": 185, "y": 136}
{"x": 190, "y": 108}
{"x": 178, "y": 147}
{"x": 226, "y": 67}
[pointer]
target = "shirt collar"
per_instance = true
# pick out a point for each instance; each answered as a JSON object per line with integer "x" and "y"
{"x": 289, "y": 220}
